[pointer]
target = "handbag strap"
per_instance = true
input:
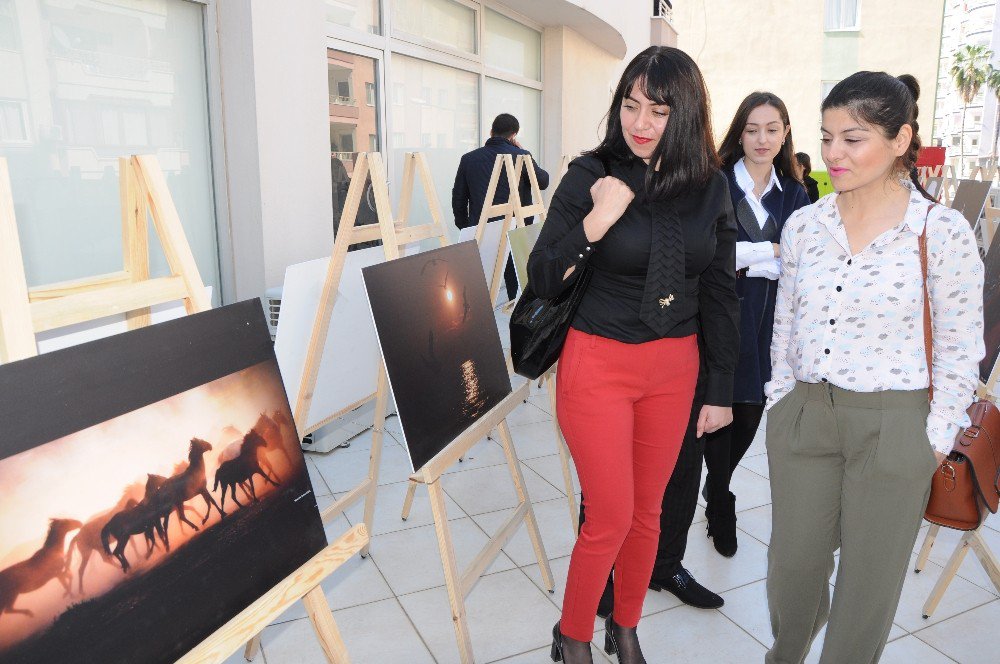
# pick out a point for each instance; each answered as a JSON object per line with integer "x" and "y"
{"x": 928, "y": 327}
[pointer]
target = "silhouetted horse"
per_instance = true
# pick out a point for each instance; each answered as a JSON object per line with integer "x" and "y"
{"x": 186, "y": 485}
{"x": 137, "y": 518}
{"x": 46, "y": 564}
{"x": 88, "y": 540}
{"x": 242, "y": 469}
{"x": 270, "y": 426}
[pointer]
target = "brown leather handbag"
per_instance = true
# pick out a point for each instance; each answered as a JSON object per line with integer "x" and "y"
{"x": 966, "y": 487}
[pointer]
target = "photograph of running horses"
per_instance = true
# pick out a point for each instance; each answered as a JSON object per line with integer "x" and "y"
{"x": 153, "y": 488}
{"x": 440, "y": 343}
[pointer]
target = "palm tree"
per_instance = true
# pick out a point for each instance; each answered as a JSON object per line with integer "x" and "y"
{"x": 993, "y": 85}
{"x": 969, "y": 72}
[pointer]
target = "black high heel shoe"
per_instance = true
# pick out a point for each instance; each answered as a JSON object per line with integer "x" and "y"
{"x": 622, "y": 641}
{"x": 569, "y": 650}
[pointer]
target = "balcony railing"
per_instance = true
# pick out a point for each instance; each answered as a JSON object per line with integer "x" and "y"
{"x": 340, "y": 100}
{"x": 663, "y": 9}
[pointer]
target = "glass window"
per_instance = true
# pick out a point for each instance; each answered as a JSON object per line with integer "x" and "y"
{"x": 102, "y": 81}
{"x": 361, "y": 15}
{"x": 445, "y": 22}
{"x": 443, "y": 132}
{"x": 13, "y": 125}
{"x": 523, "y": 103}
{"x": 842, "y": 15}
{"x": 353, "y": 126}
{"x": 512, "y": 47}
{"x": 8, "y": 27}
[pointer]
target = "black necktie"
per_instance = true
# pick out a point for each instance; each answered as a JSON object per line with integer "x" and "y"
{"x": 665, "y": 274}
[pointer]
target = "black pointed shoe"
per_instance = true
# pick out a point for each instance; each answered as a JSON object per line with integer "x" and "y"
{"x": 687, "y": 590}
{"x": 569, "y": 651}
{"x": 622, "y": 641}
{"x": 721, "y": 515}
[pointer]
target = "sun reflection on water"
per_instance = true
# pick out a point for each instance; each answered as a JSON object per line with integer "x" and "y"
{"x": 475, "y": 400}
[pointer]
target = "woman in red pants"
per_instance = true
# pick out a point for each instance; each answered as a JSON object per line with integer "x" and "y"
{"x": 649, "y": 212}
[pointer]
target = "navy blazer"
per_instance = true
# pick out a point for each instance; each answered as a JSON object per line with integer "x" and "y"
{"x": 473, "y": 179}
{"x": 758, "y": 294}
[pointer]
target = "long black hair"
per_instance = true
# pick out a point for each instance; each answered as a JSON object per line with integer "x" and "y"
{"x": 731, "y": 150}
{"x": 685, "y": 156}
{"x": 887, "y": 102}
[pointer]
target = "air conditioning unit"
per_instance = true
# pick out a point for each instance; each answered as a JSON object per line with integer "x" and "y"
{"x": 272, "y": 308}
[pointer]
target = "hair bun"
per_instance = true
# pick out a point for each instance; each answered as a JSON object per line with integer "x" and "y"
{"x": 911, "y": 84}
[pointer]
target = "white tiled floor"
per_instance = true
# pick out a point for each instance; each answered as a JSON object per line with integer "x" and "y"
{"x": 392, "y": 607}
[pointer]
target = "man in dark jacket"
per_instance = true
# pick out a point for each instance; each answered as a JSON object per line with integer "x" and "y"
{"x": 473, "y": 179}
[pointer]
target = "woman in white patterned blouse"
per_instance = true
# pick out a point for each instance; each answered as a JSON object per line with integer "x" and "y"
{"x": 852, "y": 440}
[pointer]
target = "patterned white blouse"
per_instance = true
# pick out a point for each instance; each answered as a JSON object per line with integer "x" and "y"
{"x": 857, "y": 321}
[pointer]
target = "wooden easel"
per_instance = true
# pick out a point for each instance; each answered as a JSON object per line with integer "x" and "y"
{"x": 564, "y": 455}
{"x": 460, "y": 585}
{"x": 514, "y": 211}
{"x": 560, "y": 172}
{"x": 25, "y": 312}
{"x": 972, "y": 539}
{"x": 394, "y": 234}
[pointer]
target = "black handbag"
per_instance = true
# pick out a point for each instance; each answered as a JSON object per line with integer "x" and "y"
{"x": 538, "y": 327}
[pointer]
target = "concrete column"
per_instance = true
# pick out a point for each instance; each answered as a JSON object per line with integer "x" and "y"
{"x": 276, "y": 126}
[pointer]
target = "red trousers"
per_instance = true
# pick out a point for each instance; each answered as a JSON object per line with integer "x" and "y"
{"x": 623, "y": 409}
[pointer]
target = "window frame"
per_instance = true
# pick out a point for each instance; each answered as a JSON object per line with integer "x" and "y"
{"x": 857, "y": 22}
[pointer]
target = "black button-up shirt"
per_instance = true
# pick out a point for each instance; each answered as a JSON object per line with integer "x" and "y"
{"x": 611, "y": 305}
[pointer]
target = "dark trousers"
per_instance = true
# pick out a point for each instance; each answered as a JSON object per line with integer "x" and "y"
{"x": 680, "y": 499}
{"x": 724, "y": 449}
{"x": 510, "y": 278}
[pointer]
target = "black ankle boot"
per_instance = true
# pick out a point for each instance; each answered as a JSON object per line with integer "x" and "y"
{"x": 721, "y": 513}
{"x": 570, "y": 651}
{"x": 622, "y": 641}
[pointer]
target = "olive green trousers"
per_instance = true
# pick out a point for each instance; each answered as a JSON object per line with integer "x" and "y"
{"x": 849, "y": 470}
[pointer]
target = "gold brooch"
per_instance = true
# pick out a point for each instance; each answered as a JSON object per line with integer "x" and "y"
{"x": 665, "y": 301}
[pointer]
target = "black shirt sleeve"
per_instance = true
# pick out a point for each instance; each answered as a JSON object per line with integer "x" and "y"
{"x": 460, "y": 197}
{"x": 719, "y": 309}
{"x": 563, "y": 244}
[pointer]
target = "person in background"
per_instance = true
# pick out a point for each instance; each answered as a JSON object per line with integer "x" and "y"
{"x": 852, "y": 441}
{"x": 648, "y": 212}
{"x": 805, "y": 165}
{"x": 468, "y": 195}
{"x": 759, "y": 160}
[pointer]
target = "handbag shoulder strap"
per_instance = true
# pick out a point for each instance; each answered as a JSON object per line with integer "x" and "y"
{"x": 928, "y": 327}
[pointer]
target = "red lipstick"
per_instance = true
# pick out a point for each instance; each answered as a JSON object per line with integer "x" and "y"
{"x": 640, "y": 139}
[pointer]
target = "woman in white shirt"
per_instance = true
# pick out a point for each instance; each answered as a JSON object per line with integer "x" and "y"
{"x": 852, "y": 441}
{"x": 758, "y": 159}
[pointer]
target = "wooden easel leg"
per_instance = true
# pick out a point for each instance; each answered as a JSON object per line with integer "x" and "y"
{"x": 411, "y": 490}
{"x": 326, "y": 628}
{"x": 564, "y": 456}
{"x": 925, "y": 550}
{"x": 947, "y": 574}
{"x": 253, "y": 647}
{"x": 986, "y": 557}
{"x": 375, "y": 459}
{"x": 529, "y": 516}
{"x": 452, "y": 579}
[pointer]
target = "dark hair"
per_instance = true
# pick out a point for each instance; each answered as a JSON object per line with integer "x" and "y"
{"x": 731, "y": 151}
{"x": 806, "y": 163}
{"x": 505, "y": 125}
{"x": 884, "y": 101}
{"x": 685, "y": 153}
